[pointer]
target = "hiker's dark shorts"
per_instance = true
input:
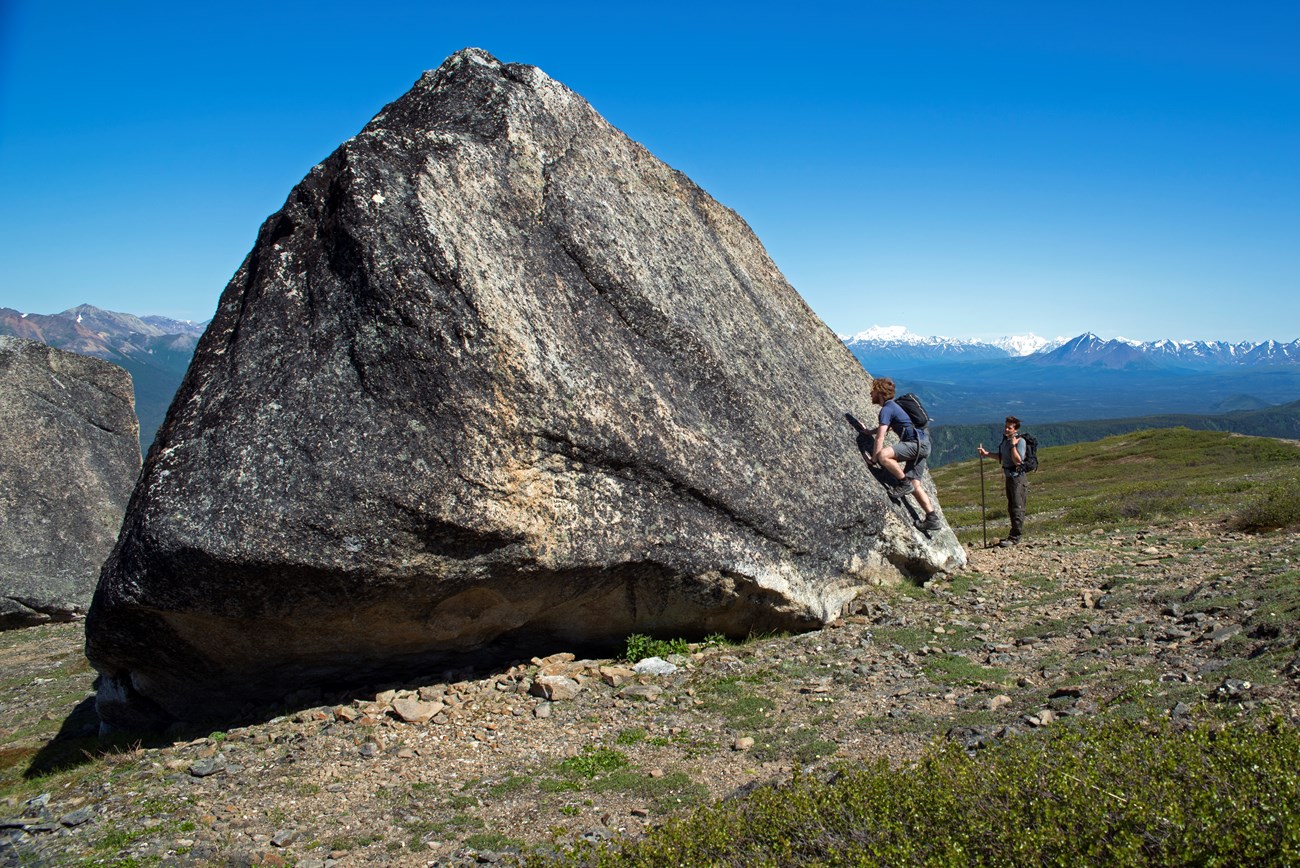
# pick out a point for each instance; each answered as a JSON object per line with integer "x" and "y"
{"x": 913, "y": 454}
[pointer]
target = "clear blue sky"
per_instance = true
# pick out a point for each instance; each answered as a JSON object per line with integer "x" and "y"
{"x": 962, "y": 168}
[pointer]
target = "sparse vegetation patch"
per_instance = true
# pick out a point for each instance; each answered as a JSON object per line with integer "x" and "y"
{"x": 1114, "y": 793}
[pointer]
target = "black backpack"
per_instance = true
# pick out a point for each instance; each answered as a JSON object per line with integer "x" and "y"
{"x": 1030, "y": 462}
{"x": 914, "y": 409}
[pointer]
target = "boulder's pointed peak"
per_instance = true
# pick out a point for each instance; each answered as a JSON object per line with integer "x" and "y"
{"x": 466, "y": 58}
{"x": 476, "y": 62}
{"x": 471, "y": 84}
{"x": 472, "y": 55}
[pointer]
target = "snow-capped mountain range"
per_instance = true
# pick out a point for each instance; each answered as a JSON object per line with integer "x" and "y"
{"x": 897, "y": 344}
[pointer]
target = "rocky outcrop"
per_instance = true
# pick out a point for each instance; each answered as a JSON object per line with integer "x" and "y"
{"x": 69, "y": 456}
{"x": 494, "y": 377}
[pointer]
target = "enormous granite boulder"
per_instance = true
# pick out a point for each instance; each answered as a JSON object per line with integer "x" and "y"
{"x": 494, "y": 377}
{"x": 69, "y": 457}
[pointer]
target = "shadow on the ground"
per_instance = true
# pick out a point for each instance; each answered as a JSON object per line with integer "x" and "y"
{"x": 81, "y": 739}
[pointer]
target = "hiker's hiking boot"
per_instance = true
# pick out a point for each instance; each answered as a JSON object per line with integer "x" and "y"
{"x": 898, "y": 488}
{"x": 930, "y": 522}
{"x": 1009, "y": 542}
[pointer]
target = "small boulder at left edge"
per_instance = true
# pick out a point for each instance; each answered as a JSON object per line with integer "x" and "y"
{"x": 69, "y": 458}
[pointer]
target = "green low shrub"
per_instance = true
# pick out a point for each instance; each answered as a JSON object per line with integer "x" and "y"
{"x": 1113, "y": 792}
{"x": 593, "y": 761}
{"x": 639, "y": 646}
{"x": 1276, "y": 506}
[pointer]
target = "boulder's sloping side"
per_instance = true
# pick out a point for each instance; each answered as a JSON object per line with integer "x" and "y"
{"x": 494, "y": 375}
{"x": 69, "y": 457}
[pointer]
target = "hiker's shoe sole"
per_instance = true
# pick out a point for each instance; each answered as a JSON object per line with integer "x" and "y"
{"x": 898, "y": 492}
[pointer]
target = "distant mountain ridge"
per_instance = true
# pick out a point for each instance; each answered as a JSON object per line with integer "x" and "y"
{"x": 893, "y": 344}
{"x": 154, "y": 349}
{"x": 1088, "y": 349}
{"x": 896, "y": 343}
{"x": 1085, "y": 377}
{"x": 958, "y": 442}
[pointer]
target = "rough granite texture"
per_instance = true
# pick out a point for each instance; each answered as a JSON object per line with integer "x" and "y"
{"x": 69, "y": 457}
{"x": 493, "y": 379}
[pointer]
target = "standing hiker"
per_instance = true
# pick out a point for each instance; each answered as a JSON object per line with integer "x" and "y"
{"x": 1011, "y": 452}
{"x": 905, "y": 460}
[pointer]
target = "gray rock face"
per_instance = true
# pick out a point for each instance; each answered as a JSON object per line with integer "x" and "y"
{"x": 69, "y": 457}
{"x": 494, "y": 376}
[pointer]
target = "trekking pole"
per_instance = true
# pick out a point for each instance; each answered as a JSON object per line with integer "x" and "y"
{"x": 984, "y": 524}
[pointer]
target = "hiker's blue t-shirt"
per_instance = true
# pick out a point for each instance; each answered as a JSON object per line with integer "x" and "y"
{"x": 900, "y": 423}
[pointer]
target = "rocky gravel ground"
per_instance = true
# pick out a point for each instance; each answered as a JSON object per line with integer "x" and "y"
{"x": 1188, "y": 621}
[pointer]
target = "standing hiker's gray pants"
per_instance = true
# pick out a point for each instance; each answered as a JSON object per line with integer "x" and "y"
{"x": 1017, "y": 494}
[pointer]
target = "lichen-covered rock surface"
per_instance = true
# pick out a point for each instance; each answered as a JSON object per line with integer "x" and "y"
{"x": 69, "y": 457}
{"x": 494, "y": 379}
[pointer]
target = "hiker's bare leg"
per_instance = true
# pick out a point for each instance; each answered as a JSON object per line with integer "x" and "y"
{"x": 921, "y": 497}
{"x": 890, "y": 463}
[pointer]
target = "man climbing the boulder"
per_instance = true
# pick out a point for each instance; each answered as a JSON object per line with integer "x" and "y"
{"x": 905, "y": 460}
{"x": 1011, "y": 452}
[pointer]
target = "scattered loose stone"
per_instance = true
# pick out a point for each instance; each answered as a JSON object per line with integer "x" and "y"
{"x": 654, "y": 666}
{"x": 284, "y": 837}
{"x": 616, "y": 676}
{"x": 1042, "y": 718}
{"x": 1232, "y": 689}
{"x": 646, "y": 692}
{"x": 1223, "y": 634}
{"x": 78, "y": 817}
{"x": 1068, "y": 692}
{"x": 415, "y": 710}
{"x": 205, "y": 767}
{"x": 556, "y": 688}
{"x": 743, "y": 743}
{"x": 822, "y": 685}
